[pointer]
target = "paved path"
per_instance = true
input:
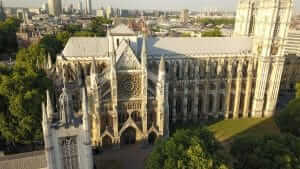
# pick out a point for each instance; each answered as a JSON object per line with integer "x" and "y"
{"x": 128, "y": 157}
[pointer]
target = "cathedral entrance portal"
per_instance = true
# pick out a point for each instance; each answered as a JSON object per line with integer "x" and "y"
{"x": 128, "y": 136}
{"x": 151, "y": 138}
{"x": 106, "y": 142}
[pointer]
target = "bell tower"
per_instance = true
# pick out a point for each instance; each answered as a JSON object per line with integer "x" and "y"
{"x": 267, "y": 22}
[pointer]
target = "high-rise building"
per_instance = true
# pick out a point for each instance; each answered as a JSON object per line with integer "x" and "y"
{"x": 80, "y": 6}
{"x": 88, "y": 7}
{"x": 55, "y": 7}
{"x": 185, "y": 16}
{"x": 109, "y": 12}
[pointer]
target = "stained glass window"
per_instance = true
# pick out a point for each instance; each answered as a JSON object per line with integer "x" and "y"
{"x": 69, "y": 152}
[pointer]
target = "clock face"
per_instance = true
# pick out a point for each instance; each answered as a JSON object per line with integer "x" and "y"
{"x": 129, "y": 85}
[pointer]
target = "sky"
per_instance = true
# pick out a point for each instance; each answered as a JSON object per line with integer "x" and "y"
{"x": 144, "y": 4}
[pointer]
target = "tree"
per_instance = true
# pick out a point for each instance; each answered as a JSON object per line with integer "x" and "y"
{"x": 8, "y": 37}
{"x": 192, "y": 149}
{"x": 22, "y": 90}
{"x": 269, "y": 152}
{"x": 63, "y": 37}
{"x": 213, "y": 33}
{"x": 84, "y": 34}
{"x": 98, "y": 25}
{"x": 289, "y": 119}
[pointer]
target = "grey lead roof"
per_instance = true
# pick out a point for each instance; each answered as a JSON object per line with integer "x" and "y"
{"x": 86, "y": 46}
{"x": 98, "y": 47}
{"x": 186, "y": 46}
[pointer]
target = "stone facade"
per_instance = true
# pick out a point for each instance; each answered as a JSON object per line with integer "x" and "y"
{"x": 139, "y": 86}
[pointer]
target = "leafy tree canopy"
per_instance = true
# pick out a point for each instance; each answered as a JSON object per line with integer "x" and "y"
{"x": 218, "y": 21}
{"x": 192, "y": 149}
{"x": 212, "y": 33}
{"x": 289, "y": 119}
{"x": 8, "y": 38}
{"x": 269, "y": 152}
{"x": 22, "y": 89}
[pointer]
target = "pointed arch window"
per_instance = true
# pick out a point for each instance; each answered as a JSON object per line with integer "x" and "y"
{"x": 277, "y": 27}
{"x": 252, "y": 20}
{"x": 69, "y": 152}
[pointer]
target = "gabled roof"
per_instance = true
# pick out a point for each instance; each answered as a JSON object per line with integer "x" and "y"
{"x": 198, "y": 46}
{"x": 126, "y": 58}
{"x": 86, "y": 46}
{"x": 122, "y": 29}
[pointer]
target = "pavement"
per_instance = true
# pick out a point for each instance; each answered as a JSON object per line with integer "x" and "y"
{"x": 127, "y": 157}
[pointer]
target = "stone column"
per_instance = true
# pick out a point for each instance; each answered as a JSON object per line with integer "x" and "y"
{"x": 217, "y": 98}
{"x": 237, "y": 99}
{"x": 205, "y": 101}
{"x": 185, "y": 98}
{"x": 228, "y": 90}
{"x": 274, "y": 85}
{"x": 248, "y": 90}
{"x": 195, "y": 103}
{"x": 260, "y": 87}
{"x": 174, "y": 104}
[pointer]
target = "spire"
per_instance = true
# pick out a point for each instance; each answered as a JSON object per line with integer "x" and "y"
{"x": 144, "y": 52}
{"x": 50, "y": 110}
{"x": 93, "y": 68}
{"x": 49, "y": 61}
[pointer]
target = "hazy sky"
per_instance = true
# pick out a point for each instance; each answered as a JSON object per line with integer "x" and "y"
{"x": 144, "y": 4}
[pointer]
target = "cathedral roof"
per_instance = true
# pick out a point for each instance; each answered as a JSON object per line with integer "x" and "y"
{"x": 86, "y": 46}
{"x": 170, "y": 46}
{"x": 197, "y": 46}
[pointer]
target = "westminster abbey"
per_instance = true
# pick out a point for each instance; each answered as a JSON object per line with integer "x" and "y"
{"x": 131, "y": 88}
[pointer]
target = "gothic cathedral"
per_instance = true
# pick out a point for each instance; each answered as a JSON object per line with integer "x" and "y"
{"x": 126, "y": 88}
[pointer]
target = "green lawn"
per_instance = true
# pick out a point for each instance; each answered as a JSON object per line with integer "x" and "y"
{"x": 226, "y": 130}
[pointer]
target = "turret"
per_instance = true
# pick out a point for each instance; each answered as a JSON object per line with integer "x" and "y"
{"x": 86, "y": 130}
{"x": 48, "y": 139}
{"x": 50, "y": 110}
{"x": 161, "y": 96}
{"x": 162, "y": 70}
{"x": 85, "y": 118}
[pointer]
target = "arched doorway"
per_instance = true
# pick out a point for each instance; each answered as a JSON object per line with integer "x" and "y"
{"x": 151, "y": 138}
{"x": 106, "y": 142}
{"x": 128, "y": 136}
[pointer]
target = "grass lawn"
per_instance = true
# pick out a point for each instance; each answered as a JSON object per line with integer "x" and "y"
{"x": 227, "y": 130}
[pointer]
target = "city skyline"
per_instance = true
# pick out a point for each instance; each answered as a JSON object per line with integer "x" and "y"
{"x": 142, "y": 4}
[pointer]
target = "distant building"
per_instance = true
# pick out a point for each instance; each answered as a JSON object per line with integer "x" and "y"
{"x": 101, "y": 12}
{"x": 184, "y": 16}
{"x": 45, "y": 7}
{"x": 2, "y": 14}
{"x": 55, "y": 7}
{"x": 88, "y": 7}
